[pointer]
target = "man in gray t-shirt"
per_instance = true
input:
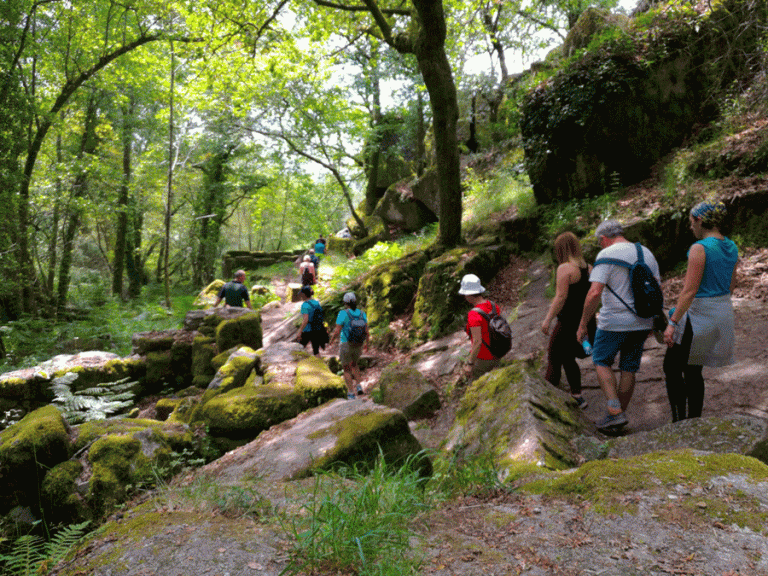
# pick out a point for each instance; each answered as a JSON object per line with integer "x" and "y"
{"x": 619, "y": 330}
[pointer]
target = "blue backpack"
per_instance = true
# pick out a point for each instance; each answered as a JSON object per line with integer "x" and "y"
{"x": 358, "y": 328}
{"x": 646, "y": 291}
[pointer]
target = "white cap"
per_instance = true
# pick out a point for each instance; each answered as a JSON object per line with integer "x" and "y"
{"x": 470, "y": 284}
{"x": 349, "y": 297}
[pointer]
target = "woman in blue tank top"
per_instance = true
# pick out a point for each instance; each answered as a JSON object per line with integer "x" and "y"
{"x": 700, "y": 331}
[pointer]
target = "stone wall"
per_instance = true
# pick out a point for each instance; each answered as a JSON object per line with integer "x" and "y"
{"x": 242, "y": 259}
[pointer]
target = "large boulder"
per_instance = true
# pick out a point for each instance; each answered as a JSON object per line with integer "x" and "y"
{"x": 609, "y": 117}
{"x": 341, "y": 432}
{"x": 399, "y": 207}
{"x": 242, "y": 413}
{"x": 116, "y": 457}
{"x": 234, "y": 373}
{"x": 390, "y": 288}
{"x": 28, "y": 449}
{"x": 406, "y": 389}
{"x": 514, "y": 417}
{"x": 208, "y": 295}
{"x": 316, "y": 383}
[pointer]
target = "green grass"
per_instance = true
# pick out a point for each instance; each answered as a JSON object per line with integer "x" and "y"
{"x": 359, "y": 524}
{"x": 494, "y": 193}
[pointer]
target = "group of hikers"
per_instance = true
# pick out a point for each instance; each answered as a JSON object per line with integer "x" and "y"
{"x": 624, "y": 283}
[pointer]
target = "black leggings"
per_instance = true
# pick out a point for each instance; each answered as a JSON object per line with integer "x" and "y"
{"x": 562, "y": 356}
{"x": 685, "y": 383}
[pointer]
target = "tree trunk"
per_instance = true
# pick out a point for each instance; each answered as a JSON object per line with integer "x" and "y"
{"x": 438, "y": 78}
{"x": 121, "y": 231}
{"x": 79, "y": 187}
{"x": 53, "y": 240}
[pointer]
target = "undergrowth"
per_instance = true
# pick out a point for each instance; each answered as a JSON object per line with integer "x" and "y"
{"x": 32, "y": 554}
{"x": 359, "y": 523}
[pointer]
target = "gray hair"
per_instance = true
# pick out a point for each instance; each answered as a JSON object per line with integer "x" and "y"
{"x": 609, "y": 229}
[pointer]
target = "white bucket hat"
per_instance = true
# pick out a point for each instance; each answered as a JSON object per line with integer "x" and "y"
{"x": 470, "y": 284}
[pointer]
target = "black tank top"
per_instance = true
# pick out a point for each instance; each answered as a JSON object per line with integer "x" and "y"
{"x": 574, "y": 302}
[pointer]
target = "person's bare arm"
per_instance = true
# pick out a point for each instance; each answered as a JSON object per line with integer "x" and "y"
{"x": 591, "y": 304}
{"x": 562, "y": 285}
{"x": 697, "y": 259}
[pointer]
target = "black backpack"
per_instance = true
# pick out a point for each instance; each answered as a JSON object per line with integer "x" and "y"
{"x": 499, "y": 332}
{"x": 316, "y": 322}
{"x": 306, "y": 276}
{"x": 646, "y": 291}
{"x": 358, "y": 328}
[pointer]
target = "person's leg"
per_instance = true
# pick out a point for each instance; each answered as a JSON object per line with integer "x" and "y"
{"x": 315, "y": 338}
{"x": 673, "y": 374}
{"x": 607, "y": 381}
{"x": 631, "y": 353}
{"x": 626, "y": 389}
{"x": 552, "y": 375}
{"x": 604, "y": 352}
{"x": 349, "y": 381}
{"x": 694, "y": 380}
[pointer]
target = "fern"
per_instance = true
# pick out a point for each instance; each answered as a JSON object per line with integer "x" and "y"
{"x": 95, "y": 403}
{"x": 31, "y": 554}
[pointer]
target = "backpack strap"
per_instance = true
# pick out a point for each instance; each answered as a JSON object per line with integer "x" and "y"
{"x": 623, "y": 264}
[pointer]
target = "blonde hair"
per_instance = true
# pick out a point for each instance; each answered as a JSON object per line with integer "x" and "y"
{"x": 568, "y": 249}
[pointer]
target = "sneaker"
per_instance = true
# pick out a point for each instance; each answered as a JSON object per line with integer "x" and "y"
{"x": 580, "y": 402}
{"x": 351, "y": 396}
{"x": 612, "y": 421}
{"x": 360, "y": 390}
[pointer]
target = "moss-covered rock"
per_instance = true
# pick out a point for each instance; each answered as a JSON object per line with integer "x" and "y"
{"x": 36, "y": 443}
{"x": 512, "y": 416}
{"x": 207, "y": 296}
{"x": 177, "y": 436}
{"x": 159, "y": 371}
{"x": 390, "y": 288}
{"x": 405, "y": 388}
{"x": 243, "y": 329}
{"x": 62, "y": 494}
{"x": 117, "y": 462}
{"x": 316, "y": 383}
{"x": 144, "y": 342}
{"x": 203, "y": 352}
{"x": 611, "y": 114}
{"x": 242, "y": 413}
{"x": 233, "y": 374}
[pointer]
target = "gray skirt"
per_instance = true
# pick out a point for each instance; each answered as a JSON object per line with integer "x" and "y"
{"x": 712, "y": 323}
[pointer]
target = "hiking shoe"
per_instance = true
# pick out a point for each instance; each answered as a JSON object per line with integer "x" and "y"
{"x": 612, "y": 421}
{"x": 360, "y": 390}
{"x": 580, "y": 402}
{"x": 351, "y": 396}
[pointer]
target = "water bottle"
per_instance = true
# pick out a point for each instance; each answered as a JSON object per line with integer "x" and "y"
{"x": 587, "y": 347}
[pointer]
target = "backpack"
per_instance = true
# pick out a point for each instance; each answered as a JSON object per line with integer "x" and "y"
{"x": 499, "y": 332}
{"x": 646, "y": 291}
{"x": 306, "y": 276}
{"x": 358, "y": 328}
{"x": 316, "y": 323}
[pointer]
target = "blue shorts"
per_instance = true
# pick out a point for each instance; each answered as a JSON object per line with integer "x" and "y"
{"x": 628, "y": 344}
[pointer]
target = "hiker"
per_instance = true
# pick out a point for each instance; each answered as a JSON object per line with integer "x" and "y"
{"x": 312, "y": 326}
{"x": 234, "y": 293}
{"x": 480, "y": 359}
{"x": 352, "y": 331}
{"x": 700, "y": 331}
{"x": 571, "y": 287}
{"x": 314, "y": 259}
{"x": 306, "y": 272}
{"x": 320, "y": 246}
{"x": 619, "y": 329}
